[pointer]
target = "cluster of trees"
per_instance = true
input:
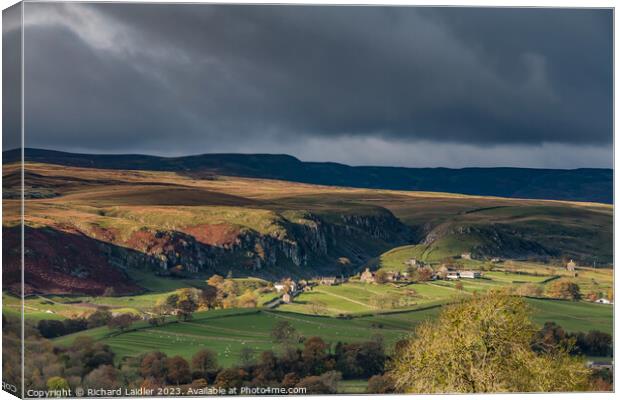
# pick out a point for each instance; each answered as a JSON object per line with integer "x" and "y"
{"x": 564, "y": 289}
{"x": 11, "y": 352}
{"x": 530, "y": 290}
{"x": 228, "y": 294}
{"x": 218, "y": 293}
{"x": 316, "y": 366}
{"x": 561, "y": 289}
{"x": 83, "y": 364}
{"x": 553, "y": 336}
{"x": 50, "y": 328}
{"x": 354, "y": 361}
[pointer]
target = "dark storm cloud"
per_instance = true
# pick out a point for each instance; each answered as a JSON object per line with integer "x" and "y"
{"x": 11, "y": 81}
{"x": 176, "y": 79}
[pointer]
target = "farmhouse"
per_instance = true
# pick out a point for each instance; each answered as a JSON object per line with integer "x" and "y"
{"x": 367, "y": 276}
{"x": 330, "y": 280}
{"x": 452, "y": 275}
{"x": 463, "y": 274}
{"x": 287, "y": 285}
{"x": 412, "y": 262}
{"x": 470, "y": 274}
{"x": 570, "y": 266}
{"x": 466, "y": 256}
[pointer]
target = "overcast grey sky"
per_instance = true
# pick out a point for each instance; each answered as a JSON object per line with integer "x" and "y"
{"x": 361, "y": 85}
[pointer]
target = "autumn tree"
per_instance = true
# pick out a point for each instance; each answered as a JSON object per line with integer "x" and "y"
{"x": 205, "y": 361}
{"x": 248, "y": 299}
{"x": 121, "y": 322}
{"x": 314, "y": 354}
{"x": 530, "y": 290}
{"x": 104, "y": 377}
{"x": 153, "y": 365}
{"x": 381, "y": 384}
{"x": 208, "y": 298}
{"x": 186, "y": 303}
{"x": 100, "y": 317}
{"x": 230, "y": 377}
{"x": 177, "y": 371}
{"x": 564, "y": 289}
{"x": 381, "y": 276}
{"x": 482, "y": 344}
{"x": 326, "y": 383}
{"x": 215, "y": 280}
{"x": 56, "y": 383}
{"x": 424, "y": 274}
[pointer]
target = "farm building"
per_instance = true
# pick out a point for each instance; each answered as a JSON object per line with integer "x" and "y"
{"x": 452, "y": 275}
{"x": 367, "y": 276}
{"x": 285, "y": 286}
{"x": 470, "y": 274}
{"x": 286, "y": 298}
{"x": 598, "y": 365}
{"x": 466, "y": 256}
{"x": 412, "y": 262}
{"x": 603, "y": 301}
{"x": 463, "y": 274}
{"x": 330, "y": 281}
{"x": 570, "y": 266}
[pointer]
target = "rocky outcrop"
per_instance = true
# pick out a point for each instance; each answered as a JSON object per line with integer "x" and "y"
{"x": 299, "y": 242}
{"x": 86, "y": 259}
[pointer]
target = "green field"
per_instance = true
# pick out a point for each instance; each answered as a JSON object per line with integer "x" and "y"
{"x": 228, "y": 331}
{"x": 573, "y": 316}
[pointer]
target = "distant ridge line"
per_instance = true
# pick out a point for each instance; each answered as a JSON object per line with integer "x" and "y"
{"x": 582, "y": 184}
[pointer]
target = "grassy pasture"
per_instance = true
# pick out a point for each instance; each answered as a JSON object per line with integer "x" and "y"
{"x": 356, "y": 298}
{"x": 228, "y": 331}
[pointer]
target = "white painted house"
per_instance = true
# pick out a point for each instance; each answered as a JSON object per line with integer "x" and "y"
{"x": 470, "y": 274}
